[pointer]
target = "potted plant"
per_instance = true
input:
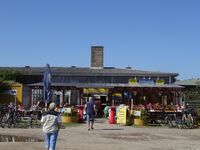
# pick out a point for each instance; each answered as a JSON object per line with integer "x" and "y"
{"x": 140, "y": 117}
{"x": 69, "y": 115}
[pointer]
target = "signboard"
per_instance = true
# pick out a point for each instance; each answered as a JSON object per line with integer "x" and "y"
{"x": 146, "y": 81}
{"x": 121, "y": 115}
{"x": 95, "y": 91}
{"x": 15, "y": 92}
{"x": 68, "y": 110}
{"x": 11, "y": 92}
{"x": 137, "y": 113}
{"x": 160, "y": 82}
{"x": 117, "y": 94}
{"x": 132, "y": 81}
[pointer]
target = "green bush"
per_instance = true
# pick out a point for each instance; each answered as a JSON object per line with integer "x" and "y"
{"x": 197, "y": 111}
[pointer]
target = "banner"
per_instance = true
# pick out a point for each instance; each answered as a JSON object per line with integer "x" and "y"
{"x": 146, "y": 81}
{"x": 160, "y": 82}
{"x": 95, "y": 91}
{"x": 132, "y": 81}
{"x": 47, "y": 83}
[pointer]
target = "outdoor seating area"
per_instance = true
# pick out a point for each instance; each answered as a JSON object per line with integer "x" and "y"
{"x": 13, "y": 116}
{"x": 139, "y": 115}
{"x": 151, "y": 115}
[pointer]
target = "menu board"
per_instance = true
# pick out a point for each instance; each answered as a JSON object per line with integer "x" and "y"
{"x": 121, "y": 115}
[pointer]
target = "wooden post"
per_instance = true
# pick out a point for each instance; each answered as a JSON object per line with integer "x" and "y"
{"x": 131, "y": 105}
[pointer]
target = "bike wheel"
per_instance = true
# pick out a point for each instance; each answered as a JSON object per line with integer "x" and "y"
{"x": 190, "y": 122}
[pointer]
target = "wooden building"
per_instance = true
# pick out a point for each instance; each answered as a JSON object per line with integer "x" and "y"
{"x": 109, "y": 85}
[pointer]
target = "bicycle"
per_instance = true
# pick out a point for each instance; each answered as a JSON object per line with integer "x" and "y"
{"x": 173, "y": 120}
{"x": 4, "y": 115}
{"x": 187, "y": 119}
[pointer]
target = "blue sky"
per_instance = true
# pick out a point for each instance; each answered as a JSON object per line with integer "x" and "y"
{"x": 153, "y": 35}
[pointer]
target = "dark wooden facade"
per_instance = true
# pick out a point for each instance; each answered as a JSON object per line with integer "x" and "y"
{"x": 74, "y": 80}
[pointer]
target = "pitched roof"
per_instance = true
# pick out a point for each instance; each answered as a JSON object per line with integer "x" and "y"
{"x": 188, "y": 82}
{"x": 78, "y": 71}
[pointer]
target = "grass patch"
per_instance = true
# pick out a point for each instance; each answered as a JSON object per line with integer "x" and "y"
{"x": 138, "y": 126}
{"x": 71, "y": 124}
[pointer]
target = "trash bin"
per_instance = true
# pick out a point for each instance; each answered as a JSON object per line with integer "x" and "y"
{"x": 112, "y": 115}
{"x": 80, "y": 109}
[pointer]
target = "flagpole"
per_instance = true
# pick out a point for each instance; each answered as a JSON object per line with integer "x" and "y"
{"x": 45, "y": 106}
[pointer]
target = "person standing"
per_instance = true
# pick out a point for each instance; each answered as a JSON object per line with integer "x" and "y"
{"x": 90, "y": 112}
{"x": 106, "y": 111}
{"x": 51, "y": 121}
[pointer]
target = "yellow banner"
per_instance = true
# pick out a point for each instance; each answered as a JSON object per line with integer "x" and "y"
{"x": 121, "y": 116}
{"x": 117, "y": 94}
{"x": 160, "y": 82}
{"x": 132, "y": 81}
{"x": 95, "y": 91}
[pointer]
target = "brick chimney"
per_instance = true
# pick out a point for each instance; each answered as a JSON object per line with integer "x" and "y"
{"x": 97, "y": 57}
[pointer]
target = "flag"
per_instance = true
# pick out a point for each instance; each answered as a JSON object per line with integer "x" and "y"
{"x": 47, "y": 83}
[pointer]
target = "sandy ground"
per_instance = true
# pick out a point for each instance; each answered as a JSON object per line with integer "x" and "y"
{"x": 110, "y": 137}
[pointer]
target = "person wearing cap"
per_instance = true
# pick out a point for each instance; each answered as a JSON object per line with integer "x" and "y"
{"x": 51, "y": 121}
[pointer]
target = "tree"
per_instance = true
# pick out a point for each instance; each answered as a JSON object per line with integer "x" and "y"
{"x": 6, "y": 77}
{"x": 193, "y": 93}
{"x": 4, "y": 86}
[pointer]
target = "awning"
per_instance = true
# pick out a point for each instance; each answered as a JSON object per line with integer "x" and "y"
{"x": 107, "y": 85}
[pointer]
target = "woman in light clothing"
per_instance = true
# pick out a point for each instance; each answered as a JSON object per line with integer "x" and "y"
{"x": 51, "y": 121}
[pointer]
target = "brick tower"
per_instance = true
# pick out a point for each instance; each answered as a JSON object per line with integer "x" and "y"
{"x": 97, "y": 56}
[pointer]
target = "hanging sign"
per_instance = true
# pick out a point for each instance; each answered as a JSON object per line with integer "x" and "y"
{"x": 95, "y": 91}
{"x": 160, "y": 82}
{"x": 132, "y": 81}
{"x": 146, "y": 81}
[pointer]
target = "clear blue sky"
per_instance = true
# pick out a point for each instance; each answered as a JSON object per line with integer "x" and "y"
{"x": 153, "y": 35}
